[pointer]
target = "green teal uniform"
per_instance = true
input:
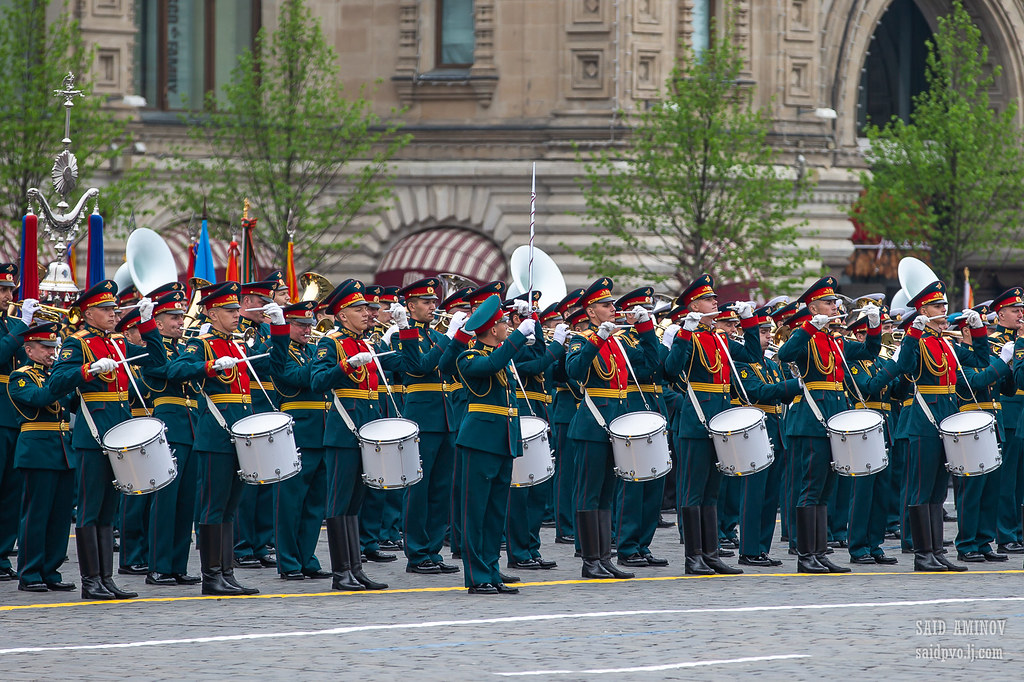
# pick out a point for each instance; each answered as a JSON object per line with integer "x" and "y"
{"x": 300, "y": 500}
{"x": 526, "y": 504}
{"x": 254, "y": 522}
{"x": 427, "y": 504}
{"x": 639, "y": 508}
{"x": 106, "y": 398}
{"x": 565, "y": 403}
{"x": 134, "y": 513}
{"x": 448, "y": 364}
{"x": 488, "y": 441}
{"x": 868, "y": 505}
{"x": 12, "y": 355}
{"x": 977, "y": 497}
{"x": 176, "y": 404}
{"x": 769, "y": 390}
{"x": 47, "y": 461}
{"x": 1011, "y": 471}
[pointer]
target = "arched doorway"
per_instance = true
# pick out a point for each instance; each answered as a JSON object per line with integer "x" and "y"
{"x": 894, "y": 68}
{"x": 442, "y": 249}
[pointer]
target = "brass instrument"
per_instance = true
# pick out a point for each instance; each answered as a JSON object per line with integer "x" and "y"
{"x": 192, "y": 313}
{"x": 453, "y": 283}
{"x": 51, "y": 313}
{"x": 315, "y": 287}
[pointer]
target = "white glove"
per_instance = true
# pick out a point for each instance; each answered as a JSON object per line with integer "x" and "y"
{"x": 919, "y": 323}
{"x": 360, "y": 359}
{"x": 744, "y": 310}
{"x": 146, "y": 309}
{"x": 226, "y": 362}
{"x": 530, "y": 340}
{"x": 29, "y": 308}
{"x": 1006, "y": 352}
{"x": 692, "y": 321}
{"x": 874, "y": 315}
{"x": 640, "y": 313}
{"x": 820, "y": 321}
{"x": 522, "y": 308}
{"x": 974, "y": 319}
{"x": 605, "y": 330}
{"x": 561, "y": 334}
{"x": 669, "y": 337}
{"x": 527, "y": 327}
{"x": 458, "y": 319}
{"x": 102, "y": 366}
{"x": 896, "y": 355}
{"x": 275, "y": 313}
{"x": 399, "y": 315}
{"x": 204, "y": 328}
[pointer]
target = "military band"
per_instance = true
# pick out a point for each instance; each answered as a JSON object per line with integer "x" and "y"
{"x": 465, "y": 365}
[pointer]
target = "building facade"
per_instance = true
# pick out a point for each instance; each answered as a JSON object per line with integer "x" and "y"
{"x": 487, "y": 87}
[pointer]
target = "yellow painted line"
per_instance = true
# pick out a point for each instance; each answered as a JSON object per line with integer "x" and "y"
{"x": 546, "y": 583}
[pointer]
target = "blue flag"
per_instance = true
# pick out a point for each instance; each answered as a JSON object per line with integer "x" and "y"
{"x": 204, "y": 257}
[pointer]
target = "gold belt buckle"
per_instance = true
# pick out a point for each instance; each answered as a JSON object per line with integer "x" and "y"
{"x": 511, "y": 412}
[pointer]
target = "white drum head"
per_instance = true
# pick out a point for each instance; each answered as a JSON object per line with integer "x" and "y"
{"x": 388, "y": 430}
{"x": 532, "y": 427}
{"x": 637, "y": 424}
{"x": 966, "y": 422}
{"x": 735, "y": 419}
{"x": 133, "y": 432}
{"x": 264, "y": 422}
{"x": 855, "y": 420}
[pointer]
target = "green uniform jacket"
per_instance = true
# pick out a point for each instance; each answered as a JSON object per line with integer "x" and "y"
{"x": 175, "y": 403}
{"x": 291, "y": 364}
{"x": 448, "y": 364}
{"x": 874, "y": 379}
{"x": 492, "y": 422}
{"x": 803, "y": 348}
{"x": 769, "y": 389}
{"x": 648, "y": 374}
{"x": 983, "y": 385}
{"x": 35, "y": 403}
{"x": 1012, "y": 401}
{"x": 533, "y": 363}
{"x": 262, "y": 366}
{"x": 12, "y": 355}
{"x": 195, "y": 364}
{"x": 426, "y": 400}
{"x": 686, "y": 362}
{"x": 71, "y": 371}
{"x": 586, "y": 360}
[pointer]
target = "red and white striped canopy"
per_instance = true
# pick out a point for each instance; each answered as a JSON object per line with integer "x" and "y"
{"x": 442, "y": 249}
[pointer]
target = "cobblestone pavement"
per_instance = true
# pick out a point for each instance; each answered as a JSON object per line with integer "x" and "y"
{"x": 885, "y": 621}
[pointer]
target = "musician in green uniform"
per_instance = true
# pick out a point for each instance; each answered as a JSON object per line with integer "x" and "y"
{"x": 640, "y": 504}
{"x": 564, "y": 404}
{"x": 1009, "y": 309}
{"x": 175, "y": 404}
{"x": 92, "y": 361}
{"x": 12, "y": 356}
{"x": 47, "y": 462}
{"x": 300, "y": 499}
{"x": 254, "y": 523}
{"x": 488, "y": 441}
{"x": 215, "y": 362}
{"x": 769, "y": 391}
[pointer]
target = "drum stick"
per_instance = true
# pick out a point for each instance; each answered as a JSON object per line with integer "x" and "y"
{"x": 257, "y": 357}
{"x": 126, "y": 360}
{"x": 254, "y": 310}
{"x": 380, "y": 355}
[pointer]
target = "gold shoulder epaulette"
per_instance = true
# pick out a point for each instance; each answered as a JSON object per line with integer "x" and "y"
{"x": 587, "y": 333}
{"x": 204, "y": 337}
{"x": 80, "y": 334}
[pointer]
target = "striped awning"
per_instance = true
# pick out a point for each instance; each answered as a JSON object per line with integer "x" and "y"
{"x": 442, "y": 249}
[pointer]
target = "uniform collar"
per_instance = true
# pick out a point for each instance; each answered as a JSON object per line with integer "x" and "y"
{"x": 419, "y": 325}
{"x": 40, "y": 367}
{"x": 95, "y": 331}
{"x": 348, "y": 333}
{"x": 479, "y": 345}
{"x": 220, "y": 335}
{"x": 298, "y": 345}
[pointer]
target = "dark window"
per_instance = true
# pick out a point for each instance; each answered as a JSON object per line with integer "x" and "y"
{"x": 187, "y": 48}
{"x": 455, "y": 39}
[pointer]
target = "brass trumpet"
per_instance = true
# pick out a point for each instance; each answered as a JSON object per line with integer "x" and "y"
{"x": 315, "y": 287}
{"x": 50, "y": 313}
{"x": 192, "y": 313}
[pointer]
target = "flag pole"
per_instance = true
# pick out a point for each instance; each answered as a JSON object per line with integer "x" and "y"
{"x": 533, "y": 213}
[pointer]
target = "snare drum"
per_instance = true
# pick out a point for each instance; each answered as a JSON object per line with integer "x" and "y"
{"x": 536, "y": 465}
{"x": 740, "y": 435}
{"x": 140, "y": 456}
{"x": 970, "y": 442}
{"x": 858, "y": 442}
{"x": 391, "y": 453}
{"x": 265, "y": 444}
{"x": 640, "y": 446}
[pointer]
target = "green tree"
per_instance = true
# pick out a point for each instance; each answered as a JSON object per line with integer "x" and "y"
{"x": 35, "y": 56}
{"x": 953, "y": 177}
{"x": 696, "y": 190}
{"x": 284, "y": 135}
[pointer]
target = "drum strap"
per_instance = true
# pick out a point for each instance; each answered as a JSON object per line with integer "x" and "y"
{"x": 924, "y": 407}
{"x": 593, "y": 410}
{"x": 696, "y": 404}
{"x": 813, "y": 405}
{"x": 88, "y": 419}
{"x": 212, "y": 406}
{"x": 345, "y": 416}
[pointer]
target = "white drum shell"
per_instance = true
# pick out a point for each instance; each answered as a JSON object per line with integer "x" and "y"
{"x": 140, "y": 456}
{"x": 390, "y": 450}
{"x": 971, "y": 443}
{"x": 265, "y": 445}
{"x": 742, "y": 445}
{"x": 857, "y": 438}
{"x": 537, "y": 463}
{"x": 640, "y": 446}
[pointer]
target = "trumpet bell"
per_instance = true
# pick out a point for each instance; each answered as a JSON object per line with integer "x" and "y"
{"x": 122, "y": 278}
{"x": 149, "y": 260}
{"x": 315, "y": 287}
{"x": 547, "y": 278}
{"x": 453, "y": 283}
{"x": 914, "y": 275}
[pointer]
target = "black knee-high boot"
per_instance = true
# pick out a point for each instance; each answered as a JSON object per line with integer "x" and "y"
{"x": 355, "y": 555}
{"x": 692, "y": 547}
{"x": 921, "y": 530}
{"x": 227, "y": 549}
{"x": 935, "y": 515}
{"x": 338, "y": 546}
{"x": 604, "y": 519}
{"x": 709, "y": 541}
{"x": 806, "y": 541}
{"x": 105, "y": 541}
{"x": 821, "y": 540}
{"x": 588, "y": 532}
{"x": 210, "y": 557}
{"x": 89, "y": 564}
